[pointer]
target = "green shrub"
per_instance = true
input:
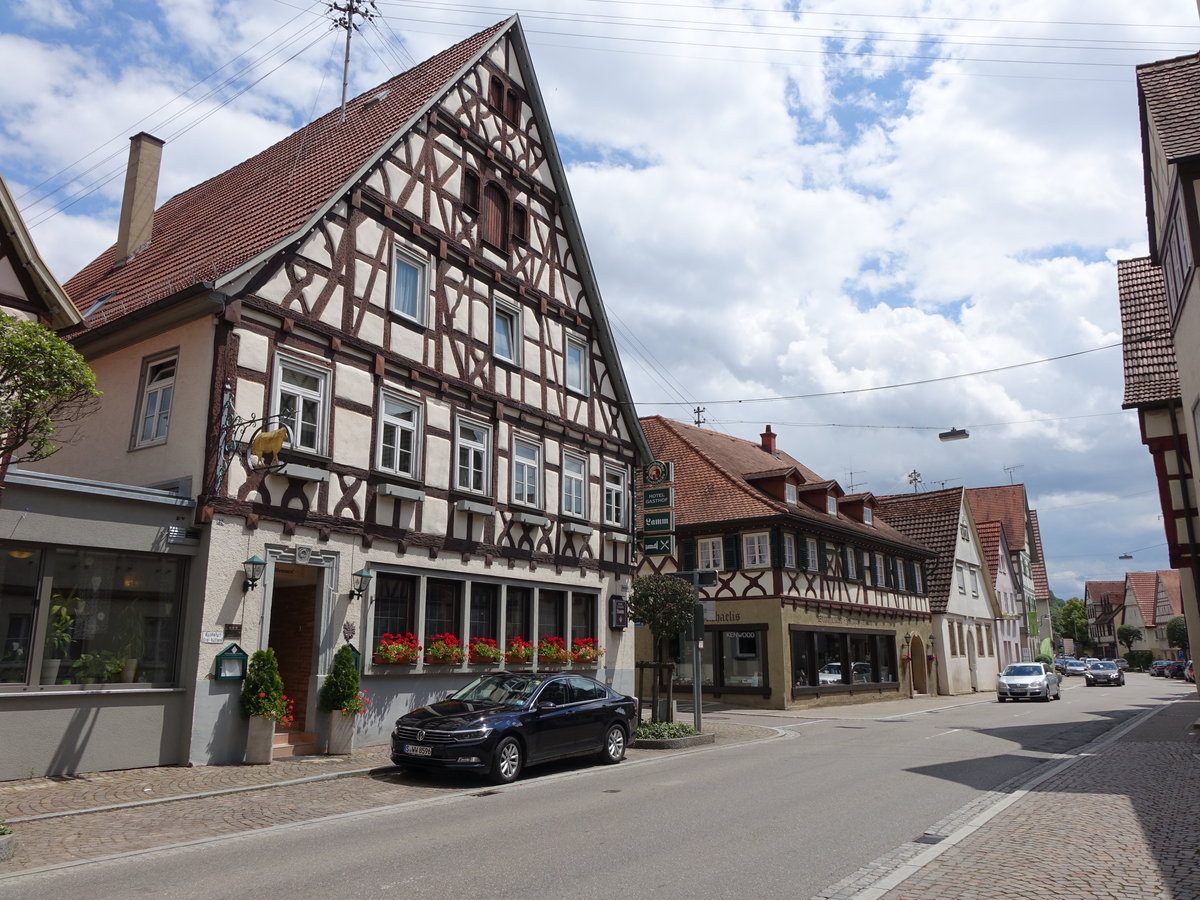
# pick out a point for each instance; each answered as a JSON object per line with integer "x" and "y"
{"x": 1139, "y": 660}
{"x": 1043, "y": 658}
{"x": 262, "y": 689}
{"x": 658, "y": 731}
{"x": 341, "y": 684}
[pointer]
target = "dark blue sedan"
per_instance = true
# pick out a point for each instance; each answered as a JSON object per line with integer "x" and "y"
{"x": 500, "y": 723}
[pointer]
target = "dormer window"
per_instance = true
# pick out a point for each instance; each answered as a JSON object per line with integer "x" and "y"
{"x": 868, "y": 516}
{"x": 789, "y": 491}
{"x": 831, "y": 506}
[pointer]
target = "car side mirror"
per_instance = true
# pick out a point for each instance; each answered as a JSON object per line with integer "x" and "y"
{"x": 547, "y": 704}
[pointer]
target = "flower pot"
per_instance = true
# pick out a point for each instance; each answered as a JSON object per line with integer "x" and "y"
{"x": 341, "y": 732}
{"x": 260, "y": 736}
{"x": 130, "y": 671}
{"x": 380, "y": 661}
{"x": 50, "y": 670}
{"x": 442, "y": 662}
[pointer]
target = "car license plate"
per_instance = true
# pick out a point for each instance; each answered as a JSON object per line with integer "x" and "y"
{"x": 417, "y": 750}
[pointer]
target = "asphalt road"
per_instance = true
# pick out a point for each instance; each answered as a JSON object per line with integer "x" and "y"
{"x": 786, "y": 816}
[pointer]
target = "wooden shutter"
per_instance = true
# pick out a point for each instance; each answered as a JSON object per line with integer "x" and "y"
{"x": 776, "y": 544}
{"x": 822, "y": 558}
{"x": 494, "y": 226}
{"x": 733, "y": 556}
{"x": 687, "y": 554}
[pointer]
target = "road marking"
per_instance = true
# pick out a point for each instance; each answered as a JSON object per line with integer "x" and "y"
{"x": 943, "y": 734}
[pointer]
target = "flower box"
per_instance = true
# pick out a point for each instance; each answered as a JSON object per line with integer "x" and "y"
{"x": 397, "y": 648}
{"x": 444, "y": 650}
{"x": 552, "y": 651}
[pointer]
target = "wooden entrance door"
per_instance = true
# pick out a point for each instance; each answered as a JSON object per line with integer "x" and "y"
{"x": 293, "y": 633}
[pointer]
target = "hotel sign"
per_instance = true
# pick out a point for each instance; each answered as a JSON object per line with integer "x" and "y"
{"x": 658, "y": 521}
{"x": 658, "y": 498}
{"x": 658, "y": 546}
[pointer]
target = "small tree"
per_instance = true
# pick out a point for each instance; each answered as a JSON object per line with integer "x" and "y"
{"x": 44, "y": 384}
{"x": 664, "y": 605}
{"x": 1177, "y": 635}
{"x": 262, "y": 689}
{"x": 1129, "y": 635}
{"x": 341, "y": 684}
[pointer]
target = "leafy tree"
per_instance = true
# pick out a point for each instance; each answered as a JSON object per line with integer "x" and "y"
{"x": 44, "y": 384}
{"x": 1177, "y": 635}
{"x": 663, "y": 604}
{"x": 1129, "y": 635}
{"x": 341, "y": 684}
{"x": 1070, "y": 621}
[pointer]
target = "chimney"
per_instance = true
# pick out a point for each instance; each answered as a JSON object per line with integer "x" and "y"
{"x": 137, "y": 206}
{"x": 768, "y": 441}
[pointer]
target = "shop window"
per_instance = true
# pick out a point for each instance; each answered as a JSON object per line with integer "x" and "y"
{"x": 154, "y": 406}
{"x": 485, "y": 608}
{"x": 395, "y": 610}
{"x": 583, "y": 615}
{"x": 742, "y": 663}
{"x": 574, "y": 486}
{"x": 836, "y": 660}
{"x": 443, "y": 607}
{"x": 551, "y": 614}
{"x": 20, "y": 569}
{"x": 518, "y": 613}
{"x": 300, "y": 402}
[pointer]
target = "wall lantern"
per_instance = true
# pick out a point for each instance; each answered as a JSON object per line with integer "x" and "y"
{"x": 231, "y": 664}
{"x": 360, "y": 580}
{"x": 254, "y": 568}
{"x": 954, "y": 434}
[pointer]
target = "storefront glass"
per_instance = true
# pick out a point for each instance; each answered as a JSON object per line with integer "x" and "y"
{"x": 829, "y": 658}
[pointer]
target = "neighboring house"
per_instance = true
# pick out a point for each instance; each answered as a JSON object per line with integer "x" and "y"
{"x": 962, "y": 595}
{"x": 1041, "y": 584}
{"x": 1104, "y": 602}
{"x": 998, "y": 559}
{"x": 1141, "y": 597}
{"x": 1009, "y": 505}
{"x": 816, "y": 599}
{"x": 377, "y": 357}
{"x": 1168, "y": 603}
{"x": 1167, "y": 391}
{"x": 27, "y": 289}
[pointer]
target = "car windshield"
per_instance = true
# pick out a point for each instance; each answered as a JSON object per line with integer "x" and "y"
{"x": 502, "y": 690}
{"x": 1104, "y": 665}
{"x": 1023, "y": 670}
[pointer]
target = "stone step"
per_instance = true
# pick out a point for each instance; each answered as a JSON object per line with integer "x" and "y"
{"x": 294, "y": 743}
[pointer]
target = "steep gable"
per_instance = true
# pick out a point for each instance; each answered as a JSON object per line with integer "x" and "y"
{"x": 26, "y": 285}
{"x": 931, "y": 519}
{"x": 1142, "y": 588}
{"x": 1041, "y": 584}
{"x": 1005, "y": 504}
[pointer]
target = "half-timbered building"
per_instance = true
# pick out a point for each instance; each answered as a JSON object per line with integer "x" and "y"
{"x": 816, "y": 600}
{"x": 377, "y": 357}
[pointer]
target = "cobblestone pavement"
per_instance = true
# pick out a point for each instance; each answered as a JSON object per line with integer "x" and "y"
{"x": 86, "y": 817}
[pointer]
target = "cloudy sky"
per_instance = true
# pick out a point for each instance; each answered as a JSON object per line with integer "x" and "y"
{"x": 791, "y": 208}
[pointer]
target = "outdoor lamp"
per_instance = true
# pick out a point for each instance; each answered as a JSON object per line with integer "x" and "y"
{"x": 254, "y": 569}
{"x": 361, "y": 579}
{"x": 231, "y": 664}
{"x": 954, "y": 434}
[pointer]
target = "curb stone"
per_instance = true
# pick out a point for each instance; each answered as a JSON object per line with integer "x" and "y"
{"x": 691, "y": 740}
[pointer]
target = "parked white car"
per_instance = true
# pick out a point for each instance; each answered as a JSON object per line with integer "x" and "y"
{"x": 1028, "y": 681}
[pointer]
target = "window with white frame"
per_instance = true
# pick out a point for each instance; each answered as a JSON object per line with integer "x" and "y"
{"x": 851, "y": 559}
{"x": 154, "y": 407}
{"x": 574, "y": 485}
{"x": 812, "y": 562}
{"x": 526, "y": 473}
{"x": 868, "y": 516}
{"x": 300, "y": 401}
{"x": 506, "y": 333}
{"x": 614, "y": 496}
{"x": 789, "y": 551}
{"x": 831, "y": 505}
{"x": 879, "y": 579}
{"x": 918, "y": 580}
{"x": 789, "y": 492}
{"x": 408, "y": 284}
{"x": 756, "y": 552}
{"x": 901, "y": 580}
{"x": 709, "y": 554}
{"x": 473, "y": 455}
{"x": 974, "y": 583}
{"x": 399, "y": 429}
{"x": 576, "y": 362}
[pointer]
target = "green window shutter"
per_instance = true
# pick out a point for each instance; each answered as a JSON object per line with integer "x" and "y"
{"x": 822, "y": 558}
{"x": 889, "y": 568}
{"x": 687, "y": 554}
{"x": 802, "y": 551}
{"x": 846, "y": 552}
{"x": 910, "y": 578}
{"x": 733, "y": 560}
{"x": 776, "y": 547}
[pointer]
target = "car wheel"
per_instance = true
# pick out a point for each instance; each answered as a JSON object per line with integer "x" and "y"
{"x": 613, "y": 749}
{"x": 1001, "y": 699}
{"x": 506, "y": 761}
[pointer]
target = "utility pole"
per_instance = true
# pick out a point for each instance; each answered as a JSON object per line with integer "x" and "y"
{"x": 343, "y": 17}
{"x": 698, "y": 412}
{"x": 914, "y": 478}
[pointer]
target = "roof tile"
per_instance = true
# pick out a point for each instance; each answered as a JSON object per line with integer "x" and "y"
{"x": 1151, "y": 371}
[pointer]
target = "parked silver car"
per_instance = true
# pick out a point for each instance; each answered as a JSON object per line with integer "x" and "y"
{"x": 1029, "y": 681}
{"x": 1076, "y": 667}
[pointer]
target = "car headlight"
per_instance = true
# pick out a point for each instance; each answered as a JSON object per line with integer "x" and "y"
{"x": 475, "y": 734}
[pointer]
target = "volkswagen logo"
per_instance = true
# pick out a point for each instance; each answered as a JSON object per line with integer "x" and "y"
{"x": 420, "y": 734}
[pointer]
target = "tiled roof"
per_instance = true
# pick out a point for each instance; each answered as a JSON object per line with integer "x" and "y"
{"x": 218, "y": 225}
{"x": 930, "y": 519}
{"x": 989, "y": 539}
{"x": 1004, "y": 504}
{"x": 17, "y": 244}
{"x": 1151, "y": 372}
{"x": 1096, "y": 591}
{"x": 1171, "y": 89}
{"x": 1041, "y": 584}
{"x": 1170, "y": 583}
{"x": 711, "y": 484}
{"x": 1144, "y": 586}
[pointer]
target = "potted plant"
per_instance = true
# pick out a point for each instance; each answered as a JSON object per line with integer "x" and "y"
{"x": 483, "y": 651}
{"x": 264, "y": 703}
{"x": 444, "y": 649}
{"x": 100, "y": 667}
{"x": 397, "y": 648}
{"x": 131, "y": 639}
{"x": 341, "y": 697}
{"x": 586, "y": 650}
{"x": 60, "y": 624}
{"x": 552, "y": 651}
{"x": 519, "y": 650}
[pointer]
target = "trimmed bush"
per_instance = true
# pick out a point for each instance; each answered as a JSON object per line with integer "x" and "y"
{"x": 341, "y": 684}
{"x": 262, "y": 689}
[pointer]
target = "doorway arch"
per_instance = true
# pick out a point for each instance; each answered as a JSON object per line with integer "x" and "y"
{"x": 920, "y": 676}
